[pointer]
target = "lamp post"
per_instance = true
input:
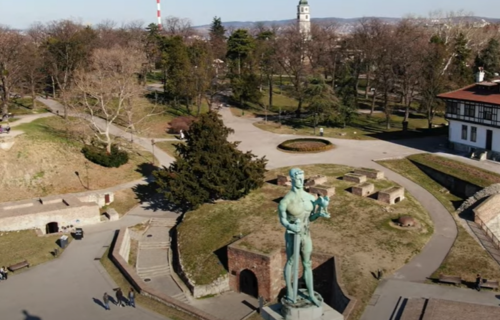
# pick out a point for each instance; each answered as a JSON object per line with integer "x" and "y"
{"x": 88, "y": 177}
{"x": 373, "y": 100}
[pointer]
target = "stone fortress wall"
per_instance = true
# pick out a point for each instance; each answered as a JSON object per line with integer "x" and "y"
{"x": 65, "y": 210}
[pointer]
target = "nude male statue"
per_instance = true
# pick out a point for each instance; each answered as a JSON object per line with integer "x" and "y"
{"x": 296, "y": 210}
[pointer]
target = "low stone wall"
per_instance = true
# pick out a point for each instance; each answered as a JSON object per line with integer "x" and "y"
{"x": 99, "y": 198}
{"x": 219, "y": 286}
{"x": 456, "y": 186}
{"x": 142, "y": 287}
{"x": 124, "y": 249}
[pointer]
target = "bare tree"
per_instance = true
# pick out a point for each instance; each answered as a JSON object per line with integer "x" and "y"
{"x": 108, "y": 88}
{"x": 11, "y": 48}
{"x": 291, "y": 55}
{"x": 34, "y": 68}
{"x": 175, "y": 26}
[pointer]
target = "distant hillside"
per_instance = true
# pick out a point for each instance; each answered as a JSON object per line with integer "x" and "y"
{"x": 345, "y": 25}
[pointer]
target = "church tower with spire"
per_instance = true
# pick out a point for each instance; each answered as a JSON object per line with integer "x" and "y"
{"x": 304, "y": 18}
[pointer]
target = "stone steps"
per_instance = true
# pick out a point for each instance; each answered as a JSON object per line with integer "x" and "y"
{"x": 181, "y": 297}
{"x": 156, "y": 271}
{"x": 163, "y": 222}
{"x": 154, "y": 245}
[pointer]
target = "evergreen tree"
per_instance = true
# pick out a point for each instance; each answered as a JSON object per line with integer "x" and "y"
{"x": 489, "y": 58}
{"x": 218, "y": 38}
{"x": 209, "y": 168}
{"x": 462, "y": 74}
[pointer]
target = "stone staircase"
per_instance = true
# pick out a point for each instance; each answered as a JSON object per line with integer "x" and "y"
{"x": 156, "y": 271}
{"x": 163, "y": 222}
{"x": 144, "y": 245}
{"x": 181, "y": 297}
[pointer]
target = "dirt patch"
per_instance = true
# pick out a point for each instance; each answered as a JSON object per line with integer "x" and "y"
{"x": 125, "y": 200}
{"x": 358, "y": 231}
{"x": 46, "y": 159}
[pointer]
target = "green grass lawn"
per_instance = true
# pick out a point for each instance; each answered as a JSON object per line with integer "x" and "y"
{"x": 457, "y": 169}
{"x": 360, "y": 231}
{"x": 467, "y": 257}
{"x": 17, "y": 246}
{"x": 363, "y": 127}
{"x": 22, "y": 106}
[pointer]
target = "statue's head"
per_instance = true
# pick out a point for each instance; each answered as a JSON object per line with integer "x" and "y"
{"x": 297, "y": 177}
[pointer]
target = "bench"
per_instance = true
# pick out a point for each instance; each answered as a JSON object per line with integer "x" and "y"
{"x": 491, "y": 284}
{"x": 20, "y": 265}
{"x": 450, "y": 279}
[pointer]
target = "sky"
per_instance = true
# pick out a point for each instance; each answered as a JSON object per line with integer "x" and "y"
{"x": 21, "y": 13}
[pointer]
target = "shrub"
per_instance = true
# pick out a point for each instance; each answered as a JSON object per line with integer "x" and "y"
{"x": 180, "y": 123}
{"x": 99, "y": 156}
{"x": 306, "y": 145}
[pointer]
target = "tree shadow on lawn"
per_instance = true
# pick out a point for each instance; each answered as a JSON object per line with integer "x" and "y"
{"x": 151, "y": 199}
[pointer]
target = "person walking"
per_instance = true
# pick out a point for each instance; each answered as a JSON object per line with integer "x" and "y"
{"x": 131, "y": 298}
{"x": 105, "y": 299}
{"x": 119, "y": 297}
{"x": 478, "y": 282}
{"x": 321, "y": 132}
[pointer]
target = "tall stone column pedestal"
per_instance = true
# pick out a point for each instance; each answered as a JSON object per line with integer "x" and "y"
{"x": 303, "y": 309}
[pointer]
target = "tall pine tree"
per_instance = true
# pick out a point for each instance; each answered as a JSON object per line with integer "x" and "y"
{"x": 209, "y": 168}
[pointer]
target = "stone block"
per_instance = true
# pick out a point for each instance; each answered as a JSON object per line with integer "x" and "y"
{"x": 324, "y": 191}
{"x": 112, "y": 214}
{"x": 392, "y": 195}
{"x": 370, "y": 173}
{"x": 355, "y": 177}
{"x": 284, "y": 180}
{"x": 316, "y": 180}
{"x": 363, "y": 189}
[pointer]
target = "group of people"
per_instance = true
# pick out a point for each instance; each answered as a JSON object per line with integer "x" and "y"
{"x": 120, "y": 299}
{"x": 4, "y": 129}
{"x": 3, "y": 273}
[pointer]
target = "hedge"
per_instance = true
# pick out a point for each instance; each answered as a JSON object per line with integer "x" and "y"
{"x": 99, "y": 156}
{"x": 287, "y": 145}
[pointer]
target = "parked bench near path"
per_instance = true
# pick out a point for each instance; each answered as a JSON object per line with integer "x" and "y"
{"x": 19, "y": 265}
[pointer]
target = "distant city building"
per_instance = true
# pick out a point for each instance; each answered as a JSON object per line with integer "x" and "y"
{"x": 474, "y": 117}
{"x": 304, "y": 18}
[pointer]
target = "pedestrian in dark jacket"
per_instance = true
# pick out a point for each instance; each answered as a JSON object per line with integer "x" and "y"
{"x": 131, "y": 298}
{"x": 119, "y": 297}
{"x": 478, "y": 282}
{"x": 105, "y": 299}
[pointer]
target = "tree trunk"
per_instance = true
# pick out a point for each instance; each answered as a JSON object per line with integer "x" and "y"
{"x": 387, "y": 111}
{"x": 299, "y": 109}
{"x": 33, "y": 96}
{"x": 5, "y": 99}
{"x": 407, "y": 115}
{"x": 368, "y": 76}
{"x": 373, "y": 103}
{"x": 430, "y": 116}
{"x": 270, "y": 92}
{"x": 53, "y": 87}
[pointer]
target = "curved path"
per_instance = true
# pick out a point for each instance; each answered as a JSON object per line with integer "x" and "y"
{"x": 67, "y": 285}
{"x": 358, "y": 154}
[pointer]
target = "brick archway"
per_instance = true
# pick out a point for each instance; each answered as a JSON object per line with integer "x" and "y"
{"x": 249, "y": 283}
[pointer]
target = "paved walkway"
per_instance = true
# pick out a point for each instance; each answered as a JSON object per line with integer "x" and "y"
{"x": 75, "y": 278}
{"x": 358, "y": 154}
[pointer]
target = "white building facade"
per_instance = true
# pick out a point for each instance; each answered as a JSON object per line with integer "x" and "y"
{"x": 304, "y": 18}
{"x": 474, "y": 120}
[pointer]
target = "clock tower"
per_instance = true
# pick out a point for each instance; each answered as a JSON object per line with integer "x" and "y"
{"x": 304, "y": 18}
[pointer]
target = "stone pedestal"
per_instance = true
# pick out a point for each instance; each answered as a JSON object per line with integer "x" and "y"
{"x": 302, "y": 310}
{"x": 370, "y": 173}
{"x": 354, "y": 177}
{"x": 325, "y": 191}
{"x": 364, "y": 189}
{"x": 392, "y": 195}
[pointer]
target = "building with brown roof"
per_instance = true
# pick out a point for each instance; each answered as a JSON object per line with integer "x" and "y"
{"x": 473, "y": 114}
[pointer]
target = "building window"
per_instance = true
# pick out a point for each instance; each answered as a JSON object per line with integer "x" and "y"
{"x": 464, "y": 132}
{"x": 473, "y": 134}
{"x": 470, "y": 110}
{"x": 302, "y": 9}
{"x": 453, "y": 107}
{"x": 307, "y": 17}
{"x": 488, "y": 113}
